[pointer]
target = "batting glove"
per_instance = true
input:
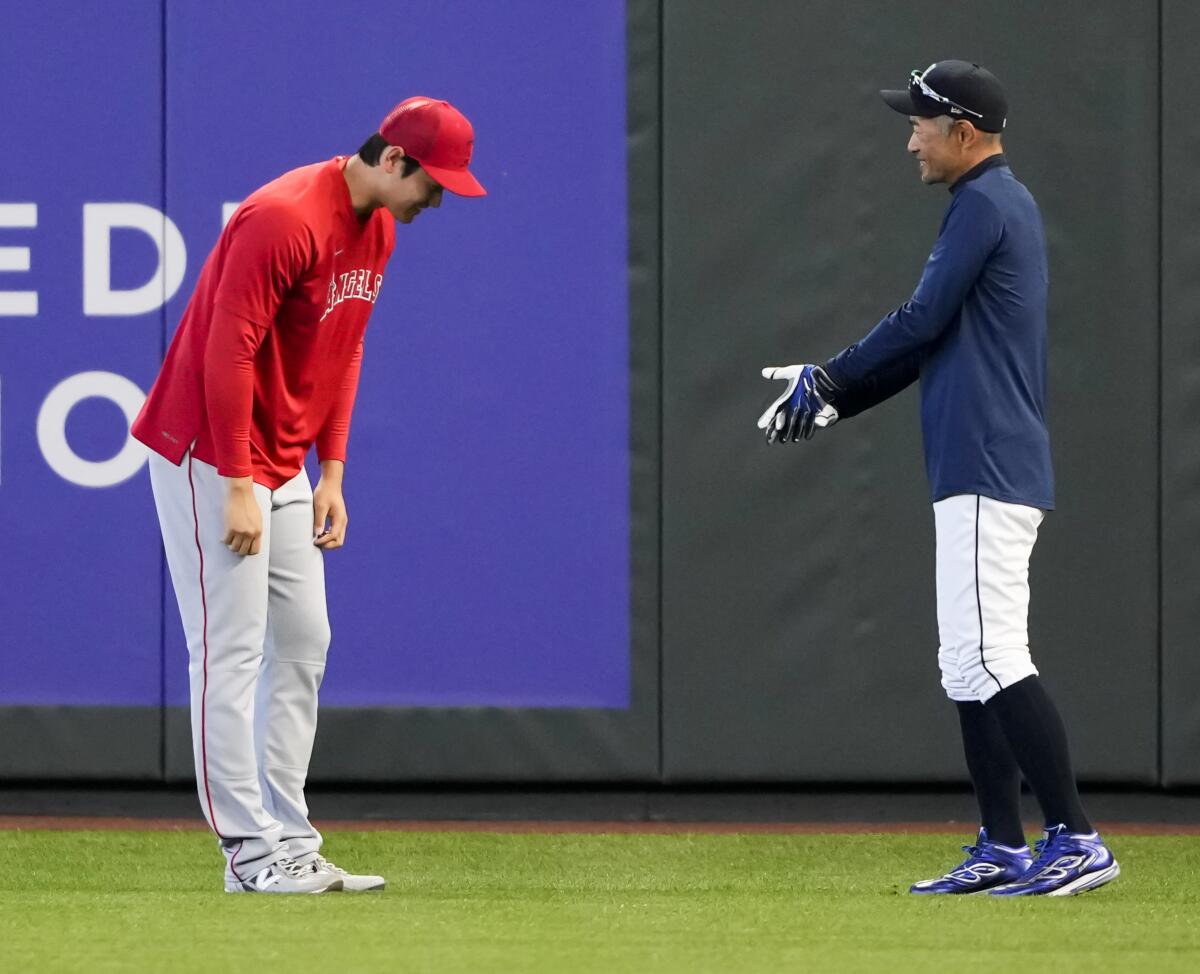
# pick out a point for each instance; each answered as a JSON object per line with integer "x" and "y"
{"x": 804, "y": 407}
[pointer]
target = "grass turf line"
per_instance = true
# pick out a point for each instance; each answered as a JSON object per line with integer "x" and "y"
{"x": 142, "y": 901}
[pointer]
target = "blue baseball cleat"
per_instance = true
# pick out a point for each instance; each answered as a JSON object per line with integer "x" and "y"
{"x": 1067, "y": 863}
{"x": 988, "y": 865}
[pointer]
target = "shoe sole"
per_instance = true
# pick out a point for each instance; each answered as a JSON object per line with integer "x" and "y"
{"x": 334, "y": 887}
{"x": 1088, "y": 882}
{"x": 957, "y": 892}
{"x": 1073, "y": 888}
{"x": 953, "y": 892}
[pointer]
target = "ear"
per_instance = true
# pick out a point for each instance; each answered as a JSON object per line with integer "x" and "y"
{"x": 391, "y": 158}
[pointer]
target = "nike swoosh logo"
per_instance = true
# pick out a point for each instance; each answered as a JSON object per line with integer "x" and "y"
{"x": 338, "y": 252}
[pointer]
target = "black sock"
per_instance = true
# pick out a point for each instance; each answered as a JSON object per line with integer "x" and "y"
{"x": 994, "y": 773}
{"x": 1036, "y": 735}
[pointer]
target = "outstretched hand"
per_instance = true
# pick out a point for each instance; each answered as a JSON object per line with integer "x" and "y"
{"x": 803, "y": 408}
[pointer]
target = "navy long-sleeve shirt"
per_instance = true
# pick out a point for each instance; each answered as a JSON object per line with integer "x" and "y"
{"x": 974, "y": 332}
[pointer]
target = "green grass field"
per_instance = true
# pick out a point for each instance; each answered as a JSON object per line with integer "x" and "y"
{"x": 152, "y": 901}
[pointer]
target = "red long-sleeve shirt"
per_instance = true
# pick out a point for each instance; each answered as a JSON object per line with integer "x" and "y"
{"x": 266, "y": 359}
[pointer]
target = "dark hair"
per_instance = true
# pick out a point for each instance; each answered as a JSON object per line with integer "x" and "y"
{"x": 373, "y": 148}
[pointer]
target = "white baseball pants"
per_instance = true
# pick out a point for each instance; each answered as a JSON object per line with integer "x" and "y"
{"x": 257, "y": 634}
{"x": 983, "y": 549}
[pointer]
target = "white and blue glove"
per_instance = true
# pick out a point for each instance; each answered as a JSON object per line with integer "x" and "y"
{"x": 804, "y": 407}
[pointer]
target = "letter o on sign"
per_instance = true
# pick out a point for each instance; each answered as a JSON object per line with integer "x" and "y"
{"x": 52, "y": 429}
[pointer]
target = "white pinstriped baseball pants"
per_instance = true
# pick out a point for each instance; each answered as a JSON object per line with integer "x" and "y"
{"x": 983, "y": 549}
{"x": 257, "y": 634}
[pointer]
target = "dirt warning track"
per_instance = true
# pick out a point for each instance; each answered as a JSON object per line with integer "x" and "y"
{"x": 525, "y": 827}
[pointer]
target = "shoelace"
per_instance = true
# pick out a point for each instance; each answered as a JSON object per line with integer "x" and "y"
{"x": 269, "y": 876}
{"x": 292, "y": 868}
{"x": 323, "y": 863}
{"x": 1046, "y": 852}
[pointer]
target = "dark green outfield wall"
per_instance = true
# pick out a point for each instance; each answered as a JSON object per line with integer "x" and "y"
{"x": 783, "y": 599}
{"x": 798, "y": 600}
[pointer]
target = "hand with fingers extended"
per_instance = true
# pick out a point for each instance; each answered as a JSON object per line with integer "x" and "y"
{"x": 805, "y": 406}
{"x": 243, "y": 518}
{"x": 329, "y": 508}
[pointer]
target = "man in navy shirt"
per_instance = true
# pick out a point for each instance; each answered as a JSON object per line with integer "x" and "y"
{"x": 974, "y": 334}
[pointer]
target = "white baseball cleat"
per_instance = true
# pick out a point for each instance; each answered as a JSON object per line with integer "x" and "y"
{"x": 350, "y": 882}
{"x": 286, "y": 876}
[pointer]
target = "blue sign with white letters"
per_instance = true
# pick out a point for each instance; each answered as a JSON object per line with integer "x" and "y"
{"x": 487, "y": 561}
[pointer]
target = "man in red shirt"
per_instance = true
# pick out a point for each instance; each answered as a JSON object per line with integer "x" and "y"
{"x": 264, "y": 365}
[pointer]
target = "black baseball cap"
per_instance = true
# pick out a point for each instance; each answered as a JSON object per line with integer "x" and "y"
{"x": 960, "y": 89}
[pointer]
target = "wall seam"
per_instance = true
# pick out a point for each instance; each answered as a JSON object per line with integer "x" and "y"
{"x": 1159, "y": 397}
{"x": 661, "y": 323}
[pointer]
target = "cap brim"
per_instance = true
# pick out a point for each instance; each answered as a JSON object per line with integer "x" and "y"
{"x": 460, "y": 182}
{"x": 899, "y": 101}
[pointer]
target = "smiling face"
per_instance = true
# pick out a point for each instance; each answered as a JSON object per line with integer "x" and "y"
{"x": 937, "y": 147}
{"x": 946, "y": 148}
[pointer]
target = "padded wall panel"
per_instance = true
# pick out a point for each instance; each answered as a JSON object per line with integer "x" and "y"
{"x": 1180, "y": 399}
{"x": 799, "y": 629}
{"x": 496, "y": 617}
{"x": 80, "y": 574}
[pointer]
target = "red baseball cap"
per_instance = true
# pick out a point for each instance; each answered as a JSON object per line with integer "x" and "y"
{"x": 439, "y": 137}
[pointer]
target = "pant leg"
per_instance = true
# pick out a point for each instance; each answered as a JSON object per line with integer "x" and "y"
{"x": 297, "y": 643}
{"x": 223, "y": 604}
{"x": 958, "y": 626}
{"x": 984, "y": 548}
{"x": 1007, "y": 535}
